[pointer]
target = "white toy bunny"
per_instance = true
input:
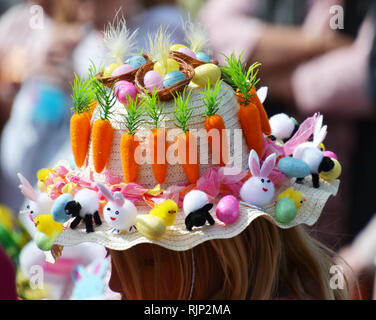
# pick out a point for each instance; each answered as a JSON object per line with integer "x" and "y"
{"x": 40, "y": 203}
{"x": 312, "y": 155}
{"x": 119, "y": 213}
{"x": 259, "y": 189}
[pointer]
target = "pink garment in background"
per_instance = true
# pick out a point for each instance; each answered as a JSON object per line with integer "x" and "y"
{"x": 7, "y": 278}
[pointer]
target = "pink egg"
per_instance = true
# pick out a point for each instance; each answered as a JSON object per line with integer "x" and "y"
{"x": 227, "y": 209}
{"x": 122, "y": 89}
{"x": 153, "y": 80}
{"x": 330, "y": 154}
{"x": 123, "y": 69}
{"x": 187, "y": 52}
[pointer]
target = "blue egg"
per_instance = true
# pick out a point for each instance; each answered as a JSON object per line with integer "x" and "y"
{"x": 173, "y": 77}
{"x": 58, "y": 208}
{"x": 136, "y": 61}
{"x": 293, "y": 167}
{"x": 202, "y": 56}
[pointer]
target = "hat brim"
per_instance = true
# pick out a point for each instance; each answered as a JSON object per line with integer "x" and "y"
{"x": 178, "y": 238}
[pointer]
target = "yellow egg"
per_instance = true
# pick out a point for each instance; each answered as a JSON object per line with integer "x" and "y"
{"x": 152, "y": 227}
{"x": 206, "y": 72}
{"x": 176, "y": 47}
{"x": 110, "y": 69}
{"x": 172, "y": 65}
{"x": 334, "y": 173}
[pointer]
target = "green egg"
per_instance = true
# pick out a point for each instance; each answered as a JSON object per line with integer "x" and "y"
{"x": 44, "y": 242}
{"x": 285, "y": 210}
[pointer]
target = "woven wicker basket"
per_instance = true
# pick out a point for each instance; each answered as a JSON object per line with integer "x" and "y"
{"x": 193, "y": 62}
{"x": 166, "y": 93}
{"x": 130, "y": 76}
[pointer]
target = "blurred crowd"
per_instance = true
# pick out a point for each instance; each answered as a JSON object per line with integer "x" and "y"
{"x": 316, "y": 55}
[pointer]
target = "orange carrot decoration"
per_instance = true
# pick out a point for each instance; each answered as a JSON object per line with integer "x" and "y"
{"x": 82, "y": 97}
{"x": 214, "y": 122}
{"x": 186, "y": 141}
{"x": 158, "y": 144}
{"x": 265, "y": 125}
{"x": 103, "y": 131}
{"x": 253, "y": 121}
{"x": 128, "y": 142}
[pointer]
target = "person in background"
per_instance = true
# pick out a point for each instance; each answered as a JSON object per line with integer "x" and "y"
{"x": 309, "y": 67}
{"x": 8, "y": 289}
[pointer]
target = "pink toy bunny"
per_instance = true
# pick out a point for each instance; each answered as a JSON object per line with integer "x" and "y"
{"x": 259, "y": 189}
{"x": 40, "y": 203}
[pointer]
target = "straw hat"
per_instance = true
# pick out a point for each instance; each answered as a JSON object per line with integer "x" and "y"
{"x": 177, "y": 237}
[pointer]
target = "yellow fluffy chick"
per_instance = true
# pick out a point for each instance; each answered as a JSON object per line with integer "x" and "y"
{"x": 166, "y": 211}
{"x": 294, "y": 195}
{"x": 47, "y": 225}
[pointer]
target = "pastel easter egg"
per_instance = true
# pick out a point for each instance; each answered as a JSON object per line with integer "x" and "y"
{"x": 285, "y": 210}
{"x": 330, "y": 154}
{"x": 58, "y": 208}
{"x": 137, "y": 61}
{"x": 176, "y": 47}
{"x": 293, "y": 167}
{"x": 332, "y": 174}
{"x": 206, "y": 72}
{"x": 123, "y": 89}
{"x": 187, "y": 52}
{"x": 110, "y": 69}
{"x": 153, "y": 80}
{"x": 202, "y": 56}
{"x": 172, "y": 65}
{"x": 43, "y": 241}
{"x": 150, "y": 226}
{"x": 227, "y": 209}
{"x": 123, "y": 69}
{"x": 172, "y": 78}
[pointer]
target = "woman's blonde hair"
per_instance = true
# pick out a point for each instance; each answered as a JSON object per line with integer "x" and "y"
{"x": 263, "y": 262}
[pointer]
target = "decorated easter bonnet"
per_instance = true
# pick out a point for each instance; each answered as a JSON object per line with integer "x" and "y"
{"x": 177, "y": 171}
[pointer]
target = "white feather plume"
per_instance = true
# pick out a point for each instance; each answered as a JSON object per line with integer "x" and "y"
{"x": 159, "y": 45}
{"x": 195, "y": 36}
{"x": 119, "y": 40}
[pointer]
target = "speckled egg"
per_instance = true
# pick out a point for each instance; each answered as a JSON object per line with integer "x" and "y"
{"x": 122, "y": 89}
{"x": 176, "y": 47}
{"x": 293, "y": 167}
{"x": 172, "y": 65}
{"x": 285, "y": 210}
{"x": 187, "y": 52}
{"x": 153, "y": 80}
{"x": 173, "y": 77}
{"x": 137, "y": 61}
{"x": 202, "y": 56}
{"x": 110, "y": 69}
{"x": 123, "y": 69}
{"x": 206, "y": 72}
{"x": 58, "y": 208}
{"x": 227, "y": 209}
